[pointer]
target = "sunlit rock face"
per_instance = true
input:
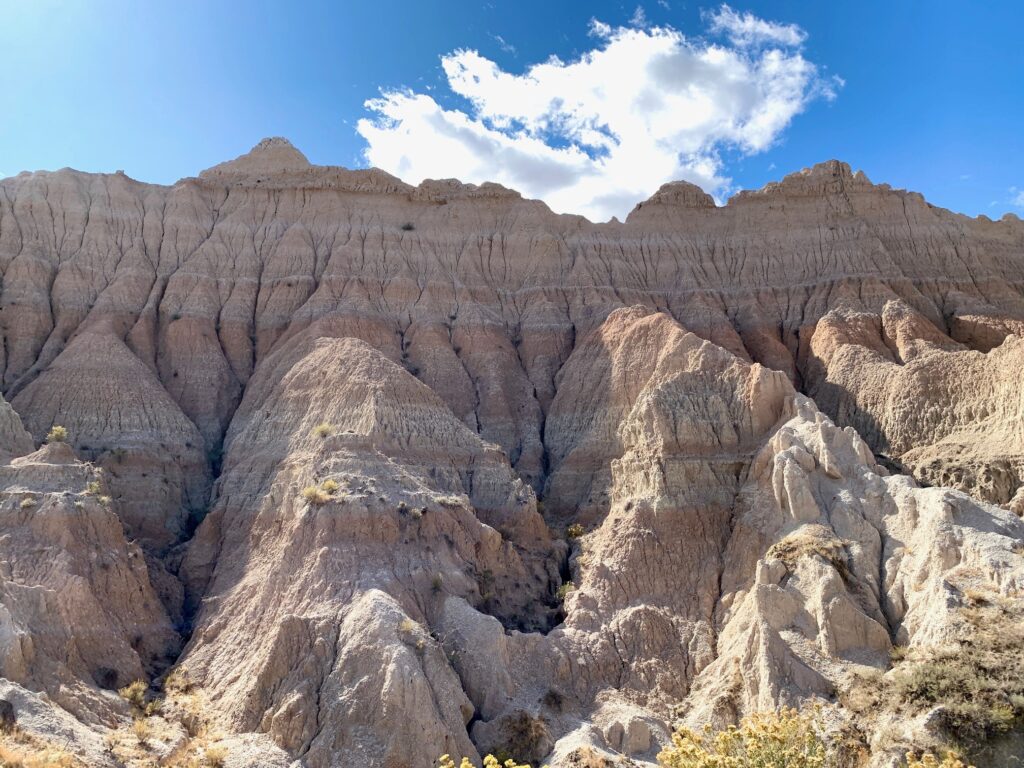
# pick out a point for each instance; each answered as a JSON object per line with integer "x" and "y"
{"x": 387, "y": 472}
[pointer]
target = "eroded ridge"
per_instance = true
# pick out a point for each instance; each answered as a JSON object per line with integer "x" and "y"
{"x": 359, "y": 473}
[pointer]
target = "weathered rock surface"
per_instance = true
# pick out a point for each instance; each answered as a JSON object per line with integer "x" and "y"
{"x": 360, "y": 388}
{"x": 78, "y": 615}
{"x": 336, "y": 597}
{"x": 952, "y": 415}
{"x": 119, "y": 416}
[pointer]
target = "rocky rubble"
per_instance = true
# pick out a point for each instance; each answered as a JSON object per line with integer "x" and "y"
{"x": 388, "y": 472}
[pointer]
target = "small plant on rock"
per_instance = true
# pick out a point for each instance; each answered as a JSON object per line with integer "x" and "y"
{"x": 323, "y": 430}
{"x": 57, "y": 434}
{"x": 141, "y": 730}
{"x": 215, "y": 757}
{"x": 28, "y": 502}
{"x": 135, "y": 694}
{"x": 315, "y": 496}
{"x": 928, "y": 760}
{"x": 574, "y": 531}
{"x": 330, "y": 487}
{"x": 177, "y": 681}
{"x": 811, "y": 540}
{"x": 564, "y": 590}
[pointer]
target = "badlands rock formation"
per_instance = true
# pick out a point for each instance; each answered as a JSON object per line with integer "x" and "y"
{"x": 361, "y": 473}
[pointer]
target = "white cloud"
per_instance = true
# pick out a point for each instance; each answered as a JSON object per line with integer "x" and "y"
{"x": 506, "y": 46}
{"x": 1017, "y": 197}
{"x": 601, "y": 133}
{"x": 748, "y": 30}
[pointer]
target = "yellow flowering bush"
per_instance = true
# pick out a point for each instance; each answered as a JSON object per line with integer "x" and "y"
{"x": 928, "y": 760}
{"x": 446, "y": 761}
{"x": 784, "y": 739}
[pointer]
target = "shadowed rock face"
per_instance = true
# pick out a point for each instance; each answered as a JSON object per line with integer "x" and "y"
{"x": 386, "y": 404}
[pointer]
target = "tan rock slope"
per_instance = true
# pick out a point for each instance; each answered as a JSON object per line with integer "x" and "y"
{"x": 952, "y": 415}
{"x": 79, "y": 617}
{"x": 469, "y": 476}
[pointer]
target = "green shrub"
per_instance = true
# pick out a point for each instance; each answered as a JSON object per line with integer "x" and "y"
{"x": 564, "y": 590}
{"x": 330, "y": 487}
{"x": 574, "y": 531}
{"x": 57, "y": 434}
{"x": 975, "y": 684}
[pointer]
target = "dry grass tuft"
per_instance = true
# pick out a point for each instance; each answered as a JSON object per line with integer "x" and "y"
{"x": 142, "y": 730}
{"x": 808, "y": 541}
{"x": 315, "y": 496}
{"x": 215, "y": 757}
{"x": 135, "y": 694}
{"x": 19, "y": 749}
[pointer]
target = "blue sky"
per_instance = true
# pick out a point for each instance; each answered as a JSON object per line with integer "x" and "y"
{"x": 927, "y": 96}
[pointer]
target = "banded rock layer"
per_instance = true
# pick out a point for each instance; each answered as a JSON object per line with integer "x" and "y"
{"x": 346, "y": 423}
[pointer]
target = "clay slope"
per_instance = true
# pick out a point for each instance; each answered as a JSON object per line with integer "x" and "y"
{"x": 951, "y": 415}
{"x": 119, "y": 416}
{"x": 469, "y": 476}
{"x": 79, "y": 617}
{"x": 334, "y": 599}
{"x": 483, "y": 293}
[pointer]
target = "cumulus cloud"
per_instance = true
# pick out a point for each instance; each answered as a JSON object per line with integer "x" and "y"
{"x": 1017, "y": 197}
{"x": 598, "y": 134}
